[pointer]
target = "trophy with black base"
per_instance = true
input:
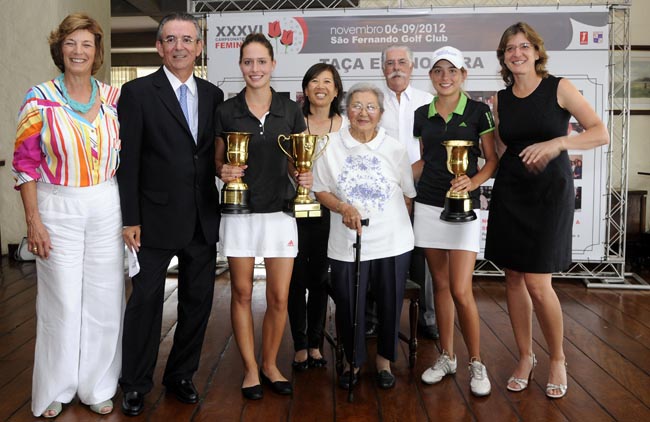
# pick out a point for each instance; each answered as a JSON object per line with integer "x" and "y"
{"x": 458, "y": 205}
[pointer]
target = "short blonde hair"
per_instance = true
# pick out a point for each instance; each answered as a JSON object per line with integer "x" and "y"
{"x": 70, "y": 24}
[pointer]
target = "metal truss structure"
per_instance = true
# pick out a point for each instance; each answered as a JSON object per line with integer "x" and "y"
{"x": 217, "y": 6}
{"x": 609, "y": 272}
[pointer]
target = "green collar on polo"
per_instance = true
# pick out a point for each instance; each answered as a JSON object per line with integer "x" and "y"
{"x": 460, "y": 107}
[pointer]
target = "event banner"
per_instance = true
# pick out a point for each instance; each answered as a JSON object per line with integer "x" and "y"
{"x": 576, "y": 38}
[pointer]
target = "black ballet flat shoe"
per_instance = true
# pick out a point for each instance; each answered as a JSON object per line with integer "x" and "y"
{"x": 317, "y": 362}
{"x": 279, "y": 387}
{"x": 300, "y": 366}
{"x": 253, "y": 393}
{"x": 344, "y": 379}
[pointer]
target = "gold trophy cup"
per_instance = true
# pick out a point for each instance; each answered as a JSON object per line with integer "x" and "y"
{"x": 303, "y": 147}
{"x": 235, "y": 194}
{"x": 458, "y": 205}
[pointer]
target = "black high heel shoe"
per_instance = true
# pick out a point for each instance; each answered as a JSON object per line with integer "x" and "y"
{"x": 278, "y": 387}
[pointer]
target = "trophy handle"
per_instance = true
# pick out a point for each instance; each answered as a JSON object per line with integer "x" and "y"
{"x": 227, "y": 149}
{"x": 320, "y": 151}
{"x": 284, "y": 138}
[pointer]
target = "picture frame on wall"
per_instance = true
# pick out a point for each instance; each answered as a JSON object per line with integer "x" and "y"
{"x": 640, "y": 79}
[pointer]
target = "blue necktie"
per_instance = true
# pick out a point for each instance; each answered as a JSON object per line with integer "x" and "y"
{"x": 183, "y": 100}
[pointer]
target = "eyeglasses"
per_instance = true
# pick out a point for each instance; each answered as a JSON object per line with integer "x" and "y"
{"x": 370, "y": 108}
{"x": 172, "y": 39}
{"x": 400, "y": 62}
{"x": 524, "y": 46}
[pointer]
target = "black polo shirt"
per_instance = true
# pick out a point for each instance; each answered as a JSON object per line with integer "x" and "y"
{"x": 469, "y": 121}
{"x": 266, "y": 175}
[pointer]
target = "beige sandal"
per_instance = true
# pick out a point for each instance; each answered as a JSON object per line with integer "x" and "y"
{"x": 53, "y": 410}
{"x": 551, "y": 387}
{"x": 562, "y": 387}
{"x": 522, "y": 383}
{"x": 103, "y": 408}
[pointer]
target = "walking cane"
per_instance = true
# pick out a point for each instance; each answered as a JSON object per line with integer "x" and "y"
{"x": 353, "y": 364}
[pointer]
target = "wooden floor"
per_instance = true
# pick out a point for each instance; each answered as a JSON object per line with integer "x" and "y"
{"x": 607, "y": 343}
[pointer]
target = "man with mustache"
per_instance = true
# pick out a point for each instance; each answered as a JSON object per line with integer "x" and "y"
{"x": 401, "y": 101}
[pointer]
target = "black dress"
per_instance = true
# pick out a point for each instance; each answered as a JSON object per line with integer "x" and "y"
{"x": 531, "y": 215}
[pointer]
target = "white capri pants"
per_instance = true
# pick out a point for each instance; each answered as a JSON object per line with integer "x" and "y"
{"x": 80, "y": 299}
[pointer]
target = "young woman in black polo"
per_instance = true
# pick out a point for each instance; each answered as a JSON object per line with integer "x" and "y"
{"x": 267, "y": 231}
{"x": 451, "y": 247}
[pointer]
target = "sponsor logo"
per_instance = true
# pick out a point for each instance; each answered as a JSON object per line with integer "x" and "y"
{"x": 287, "y": 35}
{"x": 598, "y": 37}
{"x": 584, "y": 37}
{"x": 290, "y": 244}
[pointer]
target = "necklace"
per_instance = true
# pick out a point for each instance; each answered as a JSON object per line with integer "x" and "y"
{"x": 76, "y": 105}
{"x": 330, "y": 129}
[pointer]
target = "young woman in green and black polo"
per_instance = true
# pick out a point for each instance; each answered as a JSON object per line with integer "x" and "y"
{"x": 450, "y": 247}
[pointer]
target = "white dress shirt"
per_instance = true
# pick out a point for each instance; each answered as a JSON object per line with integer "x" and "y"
{"x": 398, "y": 117}
{"x": 192, "y": 99}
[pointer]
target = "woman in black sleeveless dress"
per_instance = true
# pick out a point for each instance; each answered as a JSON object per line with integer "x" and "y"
{"x": 531, "y": 212}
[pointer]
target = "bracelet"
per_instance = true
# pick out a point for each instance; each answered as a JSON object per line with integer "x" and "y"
{"x": 338, "y": 207}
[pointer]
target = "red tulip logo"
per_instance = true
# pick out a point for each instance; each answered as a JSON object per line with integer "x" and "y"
{"x": 274, "y": 29}
{"x": 287, "y": 39}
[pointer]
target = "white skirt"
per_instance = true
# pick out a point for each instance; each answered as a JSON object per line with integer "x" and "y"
{"x": 432, "y": 232}
{"x": 272, "y": 235}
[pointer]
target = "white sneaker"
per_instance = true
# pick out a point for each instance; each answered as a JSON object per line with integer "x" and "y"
{"x": 443, "y": 366}
{"x": 479, "y": 382}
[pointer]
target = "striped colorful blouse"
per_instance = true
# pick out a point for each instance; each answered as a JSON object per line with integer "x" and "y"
{"x": 55, "y": 144}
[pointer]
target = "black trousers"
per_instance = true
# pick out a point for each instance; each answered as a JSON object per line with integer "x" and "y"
{"x": 388, "y": 278}
{"x": 309, "y": 274}
{"x": 143, "y": 316}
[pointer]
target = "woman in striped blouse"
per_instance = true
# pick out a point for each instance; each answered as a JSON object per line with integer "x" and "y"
{"x": 65, "y": 157}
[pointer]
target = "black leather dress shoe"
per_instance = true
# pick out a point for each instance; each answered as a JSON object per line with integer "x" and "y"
{"x": 253, "y": 393}
{"x": 344, "y": 379}
{"x": 184, "y": 391}
{"x": 278, "y": 387}
{"x": 385, "y": 380}
{"x": 132, "y": 403}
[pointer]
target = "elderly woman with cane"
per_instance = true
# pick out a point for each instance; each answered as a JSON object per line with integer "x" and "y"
{"x": 365, "y": 174}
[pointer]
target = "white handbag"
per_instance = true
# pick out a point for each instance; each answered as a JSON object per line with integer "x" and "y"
{"x": 23, "y": 253}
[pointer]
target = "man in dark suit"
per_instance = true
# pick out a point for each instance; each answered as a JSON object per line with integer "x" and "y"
{"x": 170, "y": 207}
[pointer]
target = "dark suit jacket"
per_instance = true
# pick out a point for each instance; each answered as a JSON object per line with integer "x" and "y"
{"x": 166, "y": 180}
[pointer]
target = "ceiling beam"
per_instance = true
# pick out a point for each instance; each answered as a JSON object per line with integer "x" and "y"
{"x": 138, "y": 59}
{"x": 133, "y": 39}
{"x": 148, "y": 7}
